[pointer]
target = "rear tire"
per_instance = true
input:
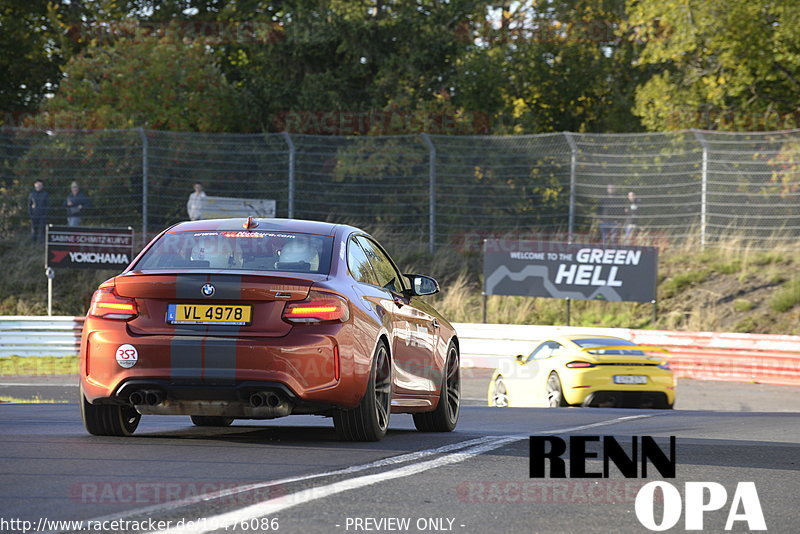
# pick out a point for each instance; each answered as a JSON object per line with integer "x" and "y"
{"x": 445, "y": 416}
{"x": 555, "y": 395}
{"x": 210, "y": 420}
{"x": 109, "y": 419}
{"x": 370, "y": 420}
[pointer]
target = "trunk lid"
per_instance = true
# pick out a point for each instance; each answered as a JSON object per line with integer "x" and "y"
{"x": 155, "y": 292}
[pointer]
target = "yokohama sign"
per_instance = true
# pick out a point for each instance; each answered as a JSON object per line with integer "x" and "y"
{"x": 81, "y": 247}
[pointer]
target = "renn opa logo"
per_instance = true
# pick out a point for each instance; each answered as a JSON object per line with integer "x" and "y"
{"x": 698, "y": 497}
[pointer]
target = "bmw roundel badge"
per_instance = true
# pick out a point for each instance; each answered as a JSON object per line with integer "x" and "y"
{"x": 207, "y": 290}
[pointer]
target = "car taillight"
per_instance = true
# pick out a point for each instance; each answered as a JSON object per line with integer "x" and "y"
{"x": 109, "y": 305}
{"x": 316, "y": 308}
{"x": 579, "y": 364}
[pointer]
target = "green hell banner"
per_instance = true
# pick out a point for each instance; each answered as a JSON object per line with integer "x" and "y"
{"x": 574, "y": 271}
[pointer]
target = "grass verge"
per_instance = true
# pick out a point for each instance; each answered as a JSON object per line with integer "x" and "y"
{"x": 44, "y": 365}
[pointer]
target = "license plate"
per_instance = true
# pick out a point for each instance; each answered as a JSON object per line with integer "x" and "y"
{"x": 630, "y": 379}
{"x": 220, "y": 314}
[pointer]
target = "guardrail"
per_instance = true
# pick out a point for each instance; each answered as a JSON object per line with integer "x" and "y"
{"x": 39, "y": 336}
{"x": 762, "y": 358}
{"x": 766, "y": 359}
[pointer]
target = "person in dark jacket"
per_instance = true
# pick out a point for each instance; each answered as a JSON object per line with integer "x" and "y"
{"x": 38, "y": 204}
{"x": 612, "y": 215}
{"x": 76, "y": 203}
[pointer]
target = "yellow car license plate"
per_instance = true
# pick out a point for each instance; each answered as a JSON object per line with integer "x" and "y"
{"x": 630, "y": 379}
{"x": 221, "y": 314}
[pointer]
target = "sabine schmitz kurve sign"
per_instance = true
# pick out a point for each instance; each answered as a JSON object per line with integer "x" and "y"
{"x": 85, "y": 247}
{"x": 574, "y": 271}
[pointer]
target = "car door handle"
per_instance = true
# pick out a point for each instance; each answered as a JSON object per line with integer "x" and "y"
{"x": 435, "y": 323}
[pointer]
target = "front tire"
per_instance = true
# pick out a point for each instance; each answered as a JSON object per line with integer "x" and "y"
{"x": 445, "y": 416}
{"x": 555, "y": 395}
{"x": 109, "y": 419}
{"x": 370, "y": 420}
{"x": 210, "y": 420}
{"x": 499, "y": 393}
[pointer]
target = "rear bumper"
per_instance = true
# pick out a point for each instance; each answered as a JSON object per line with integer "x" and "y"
{"x": 226, "y": 370}
{"x": 591, "y": 386}
{"x": 628, "y": 399}
{"x": 163, "y": 397}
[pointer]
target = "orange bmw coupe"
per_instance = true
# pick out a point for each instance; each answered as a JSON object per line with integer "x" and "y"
{"x": 262, "y": 318}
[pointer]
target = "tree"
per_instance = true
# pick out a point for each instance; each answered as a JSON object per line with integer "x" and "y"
{"x": 727, "y": 65}
{"x": 555, "y": 66}
{"x": 29, "y": 57}
{"x": 157, "y": 81}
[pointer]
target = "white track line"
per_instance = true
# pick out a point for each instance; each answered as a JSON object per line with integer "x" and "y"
{"x": 394, "y": 460}
{"x": 28, "y": 384}
{"x": 266, "y": 508}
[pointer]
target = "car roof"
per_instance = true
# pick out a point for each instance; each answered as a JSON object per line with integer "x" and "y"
{"x": 274, "y": 225}
{"x": 572, "y": 337}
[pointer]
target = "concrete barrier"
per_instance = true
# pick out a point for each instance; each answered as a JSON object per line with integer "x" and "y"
{"x": 762, "y": 358}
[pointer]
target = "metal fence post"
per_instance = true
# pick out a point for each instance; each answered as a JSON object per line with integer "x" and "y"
{"x": 291, "y": 185}
{"x": 431, "y": 192}
{"x": 703, "y": 189}
{"x": 143, "y": 136}
{"x": 573, "y": 164}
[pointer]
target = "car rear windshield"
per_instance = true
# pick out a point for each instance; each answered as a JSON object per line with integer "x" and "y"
{"x": 240, "y": 250}
{"x": 591, "y": 342}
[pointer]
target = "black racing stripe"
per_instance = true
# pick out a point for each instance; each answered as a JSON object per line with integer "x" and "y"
{"x": 188, "y": 286}
{"x": 226, "y": 286}
{"x": 220, "y": 353}
{"x": 186, "y": 357}
{"x": 220, "y": 360}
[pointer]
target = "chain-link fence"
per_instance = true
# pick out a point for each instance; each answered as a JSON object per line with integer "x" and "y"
{"x": 433, "y": 190}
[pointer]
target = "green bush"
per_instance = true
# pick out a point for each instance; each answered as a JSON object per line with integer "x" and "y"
{"x": 787, "y": 298}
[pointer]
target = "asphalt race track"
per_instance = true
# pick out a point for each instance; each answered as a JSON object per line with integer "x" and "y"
{"x": 295, "y": 472}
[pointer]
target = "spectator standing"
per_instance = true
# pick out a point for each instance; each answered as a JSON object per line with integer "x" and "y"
{"x": 631, "y": 214}
{"x": 77, "y": 202}
{"x": 612, "y": 214}
{"x": 38, "y": 204}
{"x": 195, "y": 203}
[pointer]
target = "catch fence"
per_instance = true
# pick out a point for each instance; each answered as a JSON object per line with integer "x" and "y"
{"x": 431, "y": 190}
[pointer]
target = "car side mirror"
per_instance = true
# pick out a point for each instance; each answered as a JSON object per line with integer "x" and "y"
{"x": 520, "y": 358}
{"x": 422, "y": 285}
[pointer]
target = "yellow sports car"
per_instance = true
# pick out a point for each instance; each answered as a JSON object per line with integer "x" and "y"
{"x": 585, "y": 370}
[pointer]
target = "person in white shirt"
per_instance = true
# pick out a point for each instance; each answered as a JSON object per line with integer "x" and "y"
{"x": 195, "y": 203}
{"x": 631, "y": 213}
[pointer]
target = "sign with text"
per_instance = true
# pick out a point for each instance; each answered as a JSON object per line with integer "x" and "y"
{"x": 561, "y": 270}
{"x": 82, "y": 247}
{"x": 225, "y": 207}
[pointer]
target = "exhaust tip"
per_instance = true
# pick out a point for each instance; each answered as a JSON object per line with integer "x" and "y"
{"x": 137, "y": 398}
{"x": 273, "y": 401}
{"x": 153, "y": 397}
{"x": 257, "y": 400}
{"x": 265, "y": 399}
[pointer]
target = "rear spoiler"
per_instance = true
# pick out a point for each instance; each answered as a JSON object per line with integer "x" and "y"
{"x": 643, "y": 348}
